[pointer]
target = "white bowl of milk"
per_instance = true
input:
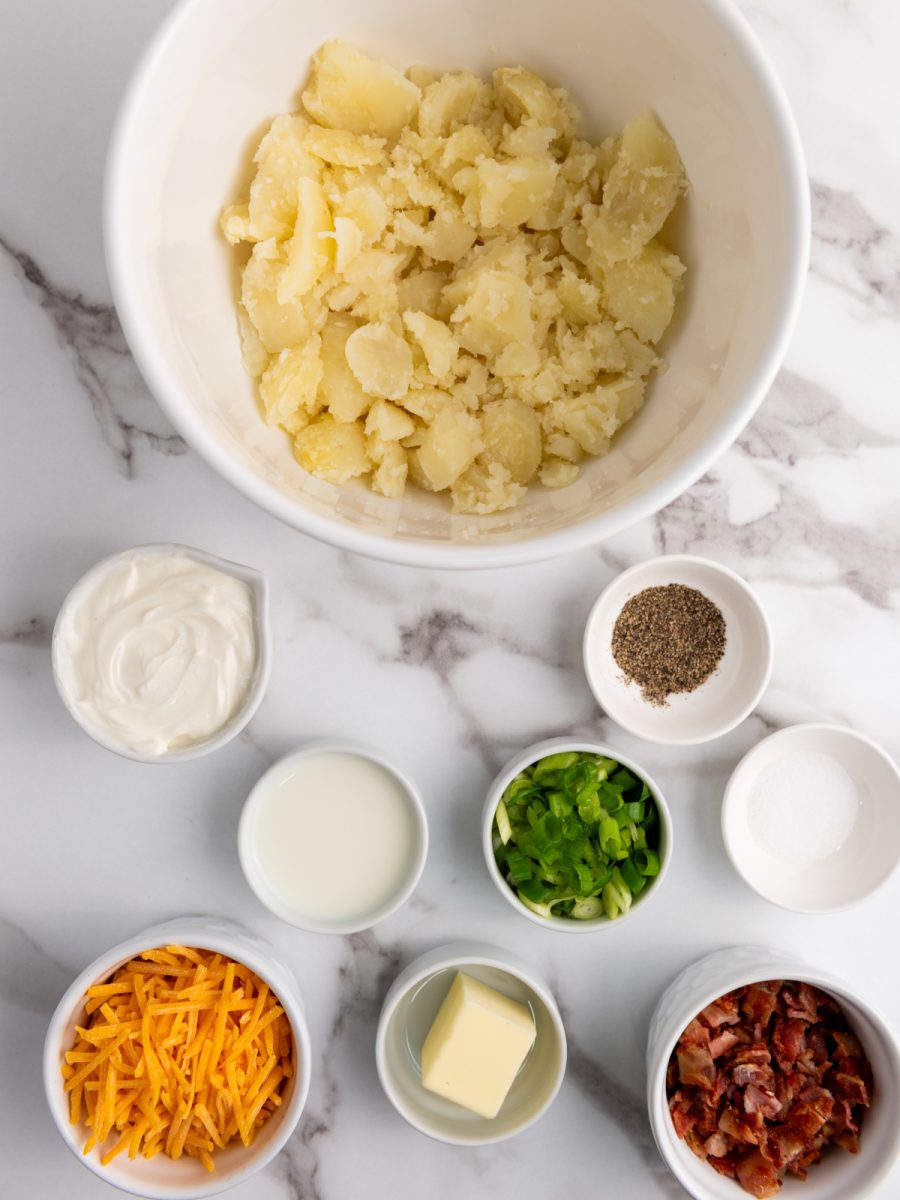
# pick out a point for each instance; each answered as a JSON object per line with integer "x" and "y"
{"x": 333, "y": 838}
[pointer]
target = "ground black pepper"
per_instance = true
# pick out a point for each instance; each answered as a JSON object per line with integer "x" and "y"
{"x": 668, "y": 639}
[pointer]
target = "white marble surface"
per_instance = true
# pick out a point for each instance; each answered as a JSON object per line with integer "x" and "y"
{"x": 449, "y": 674}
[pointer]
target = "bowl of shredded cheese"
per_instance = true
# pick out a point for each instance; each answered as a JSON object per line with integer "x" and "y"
{"x": 178, "y": 1063}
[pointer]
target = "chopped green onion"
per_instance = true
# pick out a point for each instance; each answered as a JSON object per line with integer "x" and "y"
{"x": 576, "y": 836}
{"x": 647, "y": 862}
{"x": 503, "y": 826}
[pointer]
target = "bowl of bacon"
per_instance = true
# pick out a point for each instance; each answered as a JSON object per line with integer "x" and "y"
{"x": 177, "y": 1064}
{"x": 766, "y": 1075}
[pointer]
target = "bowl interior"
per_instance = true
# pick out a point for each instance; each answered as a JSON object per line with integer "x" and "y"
{"x": 401, "y": 1048}
{"x": 162, "y": 1176}
{"x": 839, "y": 1175}
{"x": 224, "y": 68}
{"x": 855, "y": 867}
{"x": 730, "y": 692}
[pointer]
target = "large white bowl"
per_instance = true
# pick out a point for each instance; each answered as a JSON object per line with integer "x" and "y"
{"x": 838, "y": 1176}
{"x": 219, "y": 70}
{"x": 162, "y": 1178}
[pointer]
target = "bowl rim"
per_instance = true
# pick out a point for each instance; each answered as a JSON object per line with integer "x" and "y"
{"x": 600, "y": 692}
{"x": 209, "y": 933}
{"x": 259, "y": 586}
{"x": 768, "y": 963}
{"x": 459, "y": 955}
{"x": 733, "y": 791}
{"x": 250, "y": 811}
{"x": 505, "y": 776}
{"x": 413, "y": 551}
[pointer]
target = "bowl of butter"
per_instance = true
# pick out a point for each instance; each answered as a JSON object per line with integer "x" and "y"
{"x": 470, "y": 1048}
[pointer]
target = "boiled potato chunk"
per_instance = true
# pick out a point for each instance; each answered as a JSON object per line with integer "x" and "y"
{"x": 332, "y": 450}
{"x": 497, "y": 311}
{"x": 440, "y": 347}
{"x": 291, "y": 382}
{"x": 510, "y": 193}
{"x": 443, "y": 286}
{"x": 310, "y": 250}
{"x": 524, "y": 94}
{"x": 340, "y": 390}
{"x": 348, "y": 90}
{"x": 450, "y": 446}
{"x": 640, "y": 292}
{"x": 512, "y": 438}
{"x": 381, "y": 361}
{"x": 643, "y": 187}
{"x": 279, "y": 326}
{"x": 283, "y": 159}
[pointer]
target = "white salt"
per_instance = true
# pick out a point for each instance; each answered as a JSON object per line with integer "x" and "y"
{"x": 803, "y": 808}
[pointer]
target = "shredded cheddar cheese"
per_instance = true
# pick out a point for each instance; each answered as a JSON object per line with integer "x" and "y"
{"x": 181, "y": 1052}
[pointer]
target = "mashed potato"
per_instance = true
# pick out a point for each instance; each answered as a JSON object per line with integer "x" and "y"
{"x": 447, "y": 287}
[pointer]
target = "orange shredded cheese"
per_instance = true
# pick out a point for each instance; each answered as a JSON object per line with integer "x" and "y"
{"x": 181, "y": 1051}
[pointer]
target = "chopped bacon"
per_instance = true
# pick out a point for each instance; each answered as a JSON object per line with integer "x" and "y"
{"x": 717, "y": 1146}
{"x": 723, "y": 1042}
{"x": 696, "y": 1066}
{"x": 764, "y": 1079}
{"x": 850, "y": 1088}
{"x": 788, "y": 1041}
{"x": 759, "y": 1002}
{"x": 761, "y": 1100}
{"x": 757, "y": 1176}
{"x": 724, "y": 1011}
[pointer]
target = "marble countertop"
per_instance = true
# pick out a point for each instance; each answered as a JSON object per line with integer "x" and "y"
{"x": 449, "y": 674}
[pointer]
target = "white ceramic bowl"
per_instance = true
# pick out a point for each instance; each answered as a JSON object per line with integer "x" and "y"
{"x": 856, "y": 860}
{"x": 260, "y": 883}
{"x": 162, "y": 1178}
{"x": 731, "y": 692}
{"x": 407, "y": 1014}
{"x": 258, "y": 585}
{"x": 499, "y": 786}
{"x": 838, "y": 1176}
{"x": 219, "y": 70}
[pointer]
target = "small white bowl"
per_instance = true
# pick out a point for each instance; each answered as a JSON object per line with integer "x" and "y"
{"x": 258, "y": 585}
{"x": 854, "y": 869}
{"x": 257, "y": 878}
{"x": 162, "y": 1178}
{"x": 731, "y": 692}
{"x": 839, "y": 1175}
{"x": 407, "y": 1014}
{"x": 502, "y": 782}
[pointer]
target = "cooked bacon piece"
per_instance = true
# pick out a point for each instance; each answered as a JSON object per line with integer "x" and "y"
{"x": 727, "y": 1164}
{"x": 759, "y": 1001}
{"x": 723, "y": 1011}
{"x": 761, "y": 1100}
{"x": 696, "y": 1066}
{"x": 696, "y": 1034}
{"x": 850, "y": 1088}
{"x": 757, "y": 1176}
{"x": 846, "y": 1043}
{"x": 723, "y": 1042}
{"x": 755, "y": 1053}
{"x": 801, "y": 1001}
{"x": 682, "y": 1117}
{"x": 788, "y": 1041}
{"x": 760, "y": 1074}
{"x": 743, "y": 1127}
{"x": 717, "y": 1146}
{"x": 849, "y": 1140}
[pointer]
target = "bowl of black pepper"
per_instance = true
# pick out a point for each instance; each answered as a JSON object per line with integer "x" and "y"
{"x": 678, "y": 650}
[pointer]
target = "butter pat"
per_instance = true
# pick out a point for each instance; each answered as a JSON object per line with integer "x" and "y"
{"x": 476, "y": 1045}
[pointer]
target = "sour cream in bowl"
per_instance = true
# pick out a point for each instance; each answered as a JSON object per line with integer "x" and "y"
{"x": 163, "y": 652}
